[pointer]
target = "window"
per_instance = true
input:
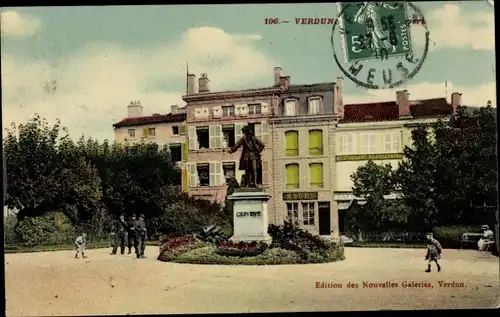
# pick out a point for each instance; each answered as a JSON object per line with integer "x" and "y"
{"x": 308, "y": 214}
{"x": 292, "y": 176}
{"x": 314, "y": 105}
{"x": 203, "y": 174}
{"x": 292, "y": 212}
{"x": 254, "y": 109}
{"x": 368, "y": 143}
{"x": 257, "y": 129}
{"x": 228, "y": 111}
{"x": 315, "y": 142}
{"x": 292, "y": 143}
{"x": 203, "y": 138}
{"x": 175, "y": 152}
{"x": 316, "y": 175}
{"x": 149, "y": 132}
{"x": 290, "y": 107}
{"x": 228, "y": 134}
{"x": 229, "y": 169}
{"x": 175, "y": 130}
{"x": 345, "y": 144}
{"x": 131, "y": 133}
{"x": 392, "y": 142}
{"x": 215, "y": 137}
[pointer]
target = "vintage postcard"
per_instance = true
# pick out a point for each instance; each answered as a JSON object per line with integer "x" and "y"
{"x": 180, "y": 159}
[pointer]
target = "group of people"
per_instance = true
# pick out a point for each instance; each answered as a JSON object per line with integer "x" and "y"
{"x": 131, "y": 233}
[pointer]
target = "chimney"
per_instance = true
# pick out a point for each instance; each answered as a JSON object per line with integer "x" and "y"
{"x": 403, "y": 102}
{"x": 338, "y": 98}
{"x": 456, "y": 101}
{"x": 278, "y": 72}
{"x": 174, "y": 109}
{"x": 192, "y": 84}
{"x": 134, "y": 109}
{"x": 284, "y": 82}
{"x": 204, "y": 83}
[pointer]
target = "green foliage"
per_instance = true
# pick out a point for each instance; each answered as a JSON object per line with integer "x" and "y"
{"x": 49, "y": 229}
{"x": 451, "y": 236}
{"x": 9, "y": 225}
{"x": 212, "y": 234}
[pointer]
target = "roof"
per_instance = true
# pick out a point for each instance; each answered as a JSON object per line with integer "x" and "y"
{"x": 388, "y": 110}
{"x": 162, "y": 118}
{"x": 311, "y": 87}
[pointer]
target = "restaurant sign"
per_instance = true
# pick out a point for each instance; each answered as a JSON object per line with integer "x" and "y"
{"x": 366, "y": 157}
{"x": 301, "y": 196}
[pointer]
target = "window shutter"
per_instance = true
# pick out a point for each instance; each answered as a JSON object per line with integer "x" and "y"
{"x": 316, "y": 175}
{"x": 192, "y": 138}
{"x": 292, "y": 175}
{"x": 265, "y": 131}
{"x": 217, "y": 111}
{"x": 237, "y": 130}
{"x": 211, "y": 136}
{"x": 258, "y": 130}
{"x": 264, "y": 108}
{"x": 349, "y": 141}
{"x": 265, "y": 172}
{"x": 213, "y": 173}
{"x": 321, "y": 106}
{"x": 388, "y": 142}
{"x": 219, "y": 179}
{"x": 396, "y": 137}
{"x": 185, "y": 180}
{"x": 217, "y": 129}
{"x": 297, "y": 107}
{"x": 145, "y": 132}
{"x": 205, "y": 112}
{"x": 197, "y": 113}
{"x": 184, "y": 152}
{"x": 340, "y": 144}
{"x": 182, "y": 129}
{"x": 193, "y": 175}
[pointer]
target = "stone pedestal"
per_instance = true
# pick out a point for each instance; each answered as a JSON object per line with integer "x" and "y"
{"x": 250, "y": 215}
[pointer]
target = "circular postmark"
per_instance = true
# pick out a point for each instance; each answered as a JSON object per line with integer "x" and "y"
{"x": 376, "y": 42}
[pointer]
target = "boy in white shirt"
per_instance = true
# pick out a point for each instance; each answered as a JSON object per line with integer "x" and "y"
{"x": 80, "y": 245}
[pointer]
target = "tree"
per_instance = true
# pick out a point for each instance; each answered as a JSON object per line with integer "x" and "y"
{"x": 372, "y": 182}
{"x": 45, "y": 175}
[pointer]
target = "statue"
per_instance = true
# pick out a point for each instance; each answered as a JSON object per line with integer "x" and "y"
{"x": 250, "y": 159}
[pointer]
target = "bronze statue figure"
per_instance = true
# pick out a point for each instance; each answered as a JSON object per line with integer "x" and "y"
{"x": 250, "y": 159}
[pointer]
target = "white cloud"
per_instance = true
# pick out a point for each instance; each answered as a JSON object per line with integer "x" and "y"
{"x": 471, "y": 95}
{"x": 451, "y": 26}
{"x": 15, "y": 24}
{"x": 94, "y": 86}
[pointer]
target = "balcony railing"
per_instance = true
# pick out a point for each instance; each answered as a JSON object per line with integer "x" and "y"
{"x": 317, "y": 185}
{"x": 292, "y": 186}
{"x": 292, "y": 152}
{"x": 316, "y": 150}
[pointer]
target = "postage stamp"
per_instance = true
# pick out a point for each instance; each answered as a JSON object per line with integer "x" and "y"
{"x": 377, "y": 44}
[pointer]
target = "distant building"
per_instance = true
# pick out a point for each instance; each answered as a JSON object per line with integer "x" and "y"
{"x": 303, "y": 133}
{"x": 378, "y": 132}
{"x": 214, "y": 121}
{"x": 163, "y": 129}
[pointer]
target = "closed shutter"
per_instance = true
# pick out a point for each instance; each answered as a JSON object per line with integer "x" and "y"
{"x": 264, "y": 108}
{"x": 145, "y": 132}
{"x": 184, "y": 152}
{"x": 315, "y": 142}
{"x": 185, "y": 180}
{"x": 193, "y": 175}
{"x": 192, "y": 140}
{"x": 182, "y": 129}
{"x": 292, "y": 175}
{"x": 292, "y": 143}
{"x": 265, "y": 132}
{"x": 316, "y": 175}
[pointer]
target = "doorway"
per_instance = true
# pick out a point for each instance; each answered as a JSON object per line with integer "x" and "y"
{"x": 324, "y": 218}
{"x": 342, "y": 220}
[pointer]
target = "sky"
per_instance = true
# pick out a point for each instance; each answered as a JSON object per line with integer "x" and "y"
{"x": 84, "y": 65}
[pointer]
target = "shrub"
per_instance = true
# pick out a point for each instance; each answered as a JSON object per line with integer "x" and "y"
{"x": 172, "y": 247}
{"x": 212, "y": 234}
{"x": 451, "y": 236}
{"x": 49, "y": 229}
{"x": 9, "y": 225}
{"x": 241, "y": 249}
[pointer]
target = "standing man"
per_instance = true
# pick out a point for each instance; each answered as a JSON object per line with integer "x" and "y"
{"x": 121, "y": 235}
{"x": 141, "y": 236}
{"x": 131, "y": 234}
{"x": 80, "y": 245}
{"x": 434, "y": 250}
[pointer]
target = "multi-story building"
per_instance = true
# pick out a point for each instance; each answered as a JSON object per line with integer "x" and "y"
{"x": 214, "y": 121}
{"x": 163, "y": 129}
{"x": 303, "y": 133}
{"x": 379, "y": 132}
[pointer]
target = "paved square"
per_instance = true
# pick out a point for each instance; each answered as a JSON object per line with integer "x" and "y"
{"x": 53, "y": 283}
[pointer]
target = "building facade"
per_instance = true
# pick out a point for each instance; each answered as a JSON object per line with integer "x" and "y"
{"x": 379, "y": 132}
{"x": 214, "y": 123}
{"x": 162, "y": 129}
{"x": 303, "y": 132}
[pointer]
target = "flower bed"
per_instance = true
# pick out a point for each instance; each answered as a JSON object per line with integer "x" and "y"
{"x": 240, "y": 249}
{"x": 172, "y": 247}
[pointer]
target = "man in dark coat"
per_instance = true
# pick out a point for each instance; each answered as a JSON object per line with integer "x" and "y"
{"x": 121, "y": 235}
{"x": 131, "y": 233}
{"x": 250, "y": 159}
{"x": 434, "y": 250}
{"x": 141, "y": 236}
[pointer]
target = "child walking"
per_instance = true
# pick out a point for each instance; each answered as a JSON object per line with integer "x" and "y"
{"x": 80, "y": 245}
{"x": 433, "y": 252}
